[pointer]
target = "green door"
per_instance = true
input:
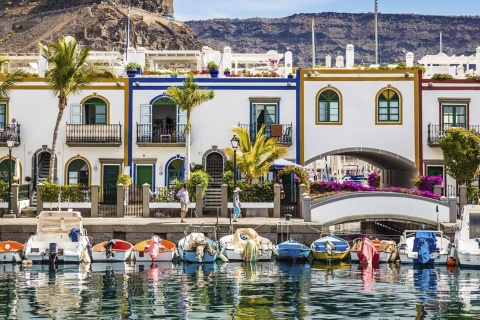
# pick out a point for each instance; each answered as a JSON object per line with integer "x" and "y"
{"x": 110, "y": 174}
{"x": 144, "y": 175}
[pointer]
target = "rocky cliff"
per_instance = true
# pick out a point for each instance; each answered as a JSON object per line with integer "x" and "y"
{"x": 398, "y": 33}
{"x": 102, "y": 25}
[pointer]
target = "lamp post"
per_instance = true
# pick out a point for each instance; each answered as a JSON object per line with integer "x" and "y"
{"x": 234, "y": 142}
{"x": 10, "y": 144}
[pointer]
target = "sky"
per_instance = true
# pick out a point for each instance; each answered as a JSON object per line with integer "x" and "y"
{"x": 211, "y": 9}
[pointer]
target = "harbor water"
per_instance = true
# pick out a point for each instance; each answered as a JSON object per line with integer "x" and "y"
{"x": 268, "y": 290}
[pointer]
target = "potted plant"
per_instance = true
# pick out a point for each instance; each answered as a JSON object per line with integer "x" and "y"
{"x": 132, "y": 69}
{"x": 226, "y": 72}
{"x": 174, "y": 73}
{"x": 290, "y": 76}
{"x": 213, "y": 68}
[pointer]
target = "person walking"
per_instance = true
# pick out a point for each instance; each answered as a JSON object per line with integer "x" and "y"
{"x": 236, "y": 204}
{"x": 184, "y": 202}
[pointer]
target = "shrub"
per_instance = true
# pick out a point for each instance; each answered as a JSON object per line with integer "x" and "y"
{"x": 197, "y": 177}
{"x": 442, "y": 76}
{"x": 254, "y": 192}
{"x": 133, "y": 66}
{"x": 426, "y": 183}
{"x": 374, "y": 180}
{"x": 124, "y": 179}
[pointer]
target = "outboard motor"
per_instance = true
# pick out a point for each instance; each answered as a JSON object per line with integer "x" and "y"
{"x": 52, "y": 253}
{"x": 108, "y": 247}
{"x": 89, "y": 250}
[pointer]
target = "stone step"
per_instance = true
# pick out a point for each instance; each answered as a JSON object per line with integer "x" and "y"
{"x": 28, "y": 212}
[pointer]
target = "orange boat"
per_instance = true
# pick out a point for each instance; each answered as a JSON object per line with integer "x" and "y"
{"x": 112, "y": 250}
{"x": 155, "y": 249}
{"x": 11, "y": 251}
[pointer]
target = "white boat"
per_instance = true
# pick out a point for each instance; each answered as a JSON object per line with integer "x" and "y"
{"x": 467, "y": 237}
{"x": 154, "y": 250}
{"x": 386, "y": 250}
{"x": 424, "y": 247}
{"x": 60, "y": 237}
{"x": 246, "y": 245}
{"x": 115, "y": 250}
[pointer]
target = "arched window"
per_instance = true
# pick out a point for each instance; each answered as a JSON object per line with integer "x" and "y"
{"x": 328, "y": 107}
{"x": 93, "y": 111}
{"x": 78, "y": 172}
{"x": 388, "y": 106}
{"x": 4, "y": 169}
{"x": 175, "y": 172}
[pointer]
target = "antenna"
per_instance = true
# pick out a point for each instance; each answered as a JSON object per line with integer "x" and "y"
{"x": 376, "y": 31}
{"x": 441, "y": 44}
{"x": 313, "y": 43}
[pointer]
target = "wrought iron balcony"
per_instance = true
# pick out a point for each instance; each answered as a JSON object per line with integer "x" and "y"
{"x": 172, "y": 135}
{"x": 281, "y": 132}
{"x": 6, "y": 132}
{"x": 437, "y": 131}
{"x": 94, "y": 135}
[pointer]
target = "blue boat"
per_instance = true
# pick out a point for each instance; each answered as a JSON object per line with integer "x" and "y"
{"x": 292, "y": 250}
{"x": 196, "y": 247}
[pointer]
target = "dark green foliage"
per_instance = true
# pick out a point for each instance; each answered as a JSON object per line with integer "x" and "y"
{"x": 197, "y": 167}
{"x": 71, "y": 193}
{"x": 461, "y": 154}
{"x": 197, "y": 177}
{"x": 441, "y": 76}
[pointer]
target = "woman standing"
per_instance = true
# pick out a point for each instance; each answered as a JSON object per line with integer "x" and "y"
{"x": 236, "y": 204}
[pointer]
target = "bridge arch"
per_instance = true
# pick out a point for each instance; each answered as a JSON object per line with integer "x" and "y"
{"x": 396, "y": 170}
{"x": 372, "y": 205}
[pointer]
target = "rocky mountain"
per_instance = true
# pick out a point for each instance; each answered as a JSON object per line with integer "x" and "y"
{"x": 102, "y": 25}
{"x": 398, "y": 33}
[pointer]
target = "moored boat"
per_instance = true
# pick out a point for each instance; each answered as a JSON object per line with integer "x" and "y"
{"x": 60, "y": 237}
{"x": 386, "y": 249}
{"x": 330, "y": 248}
{"x": 467, "y": 237}
{"x": 292, "y": 250}
{"x": 196, "y": 247}
{"x": 112, "y": 250}
{"x": 425, "y": 247}
{"x": 11, "y": 251}
{"x": 246, "y": 245}
{"x": 155, "y": 249}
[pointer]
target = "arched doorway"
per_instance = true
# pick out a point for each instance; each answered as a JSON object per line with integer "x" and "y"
{"x": 214, "y": 167}
{"x": 174, "y": 172}
{"x": 78, "y": 172}
{"x": 5, "y": 168}
{"x": 41, "y": 165}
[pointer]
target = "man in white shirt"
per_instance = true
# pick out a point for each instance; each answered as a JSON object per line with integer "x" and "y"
{"x": 184, "y": 202}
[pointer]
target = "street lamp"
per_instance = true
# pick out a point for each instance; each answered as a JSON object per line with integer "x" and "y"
{"x": 234, "y": 142}
{"x": 10, "y": 144}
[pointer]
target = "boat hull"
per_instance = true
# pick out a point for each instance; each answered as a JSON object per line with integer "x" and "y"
{"x": 411, "y": 258}
{"x": 292, "y": 250}
{"x": 187, "y": 249}
{"x": 233, "y": 245}
{"x": 146, "y": 257}
{"x": 121, "y": 251}
{"x": 468, "y": 259}
{"x": 409, "y": 255}
{"x": 330, "y": 248}
{"x": 167, "y": 251}
{"x": 11, "y": 256}
{"x": 68, "y": 252}
{"x": 330, "y": 257}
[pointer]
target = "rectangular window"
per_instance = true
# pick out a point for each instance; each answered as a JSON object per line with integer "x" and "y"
{"x": 100, "y": 114}
{"x": 76, "y": 114}
{"x": 454, "y": 116}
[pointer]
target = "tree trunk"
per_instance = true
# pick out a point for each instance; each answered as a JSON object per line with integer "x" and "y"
{"x": 187, "y": 148}
{"x": 51, "y": 170}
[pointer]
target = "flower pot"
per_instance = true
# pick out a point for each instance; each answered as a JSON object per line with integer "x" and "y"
{"x": 214, "y": 74}
{"x": 290, "y": 76}
{"x": 131, "y": 74}
{"x": 226, "y": 73}
{"x": 139, "y": 70}
{"x": 173, "y": 75}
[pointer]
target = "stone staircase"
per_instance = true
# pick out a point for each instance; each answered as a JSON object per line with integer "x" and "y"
{"x": 213, "y": 199}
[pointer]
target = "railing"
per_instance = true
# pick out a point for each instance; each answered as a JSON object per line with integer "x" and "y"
{"x": 281, "y": 132}
{"x": 94, "y": 133}
{"x": 168, "y": 133}
{"x": 6, "y": 132}
{"x": 437, "y": 131}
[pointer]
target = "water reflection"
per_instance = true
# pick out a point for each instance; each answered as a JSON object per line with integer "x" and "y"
{"x": 265, "y": 290}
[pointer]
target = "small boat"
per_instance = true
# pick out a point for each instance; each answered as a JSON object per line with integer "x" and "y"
{"x": 467, "y": 237}
{"x": 112, "y": 250}
{"x": 386, "y": 249}
{"x": 196, "y": 247}
{"x": 330, "y": 248}
{"x": 60, "y": 238}
{"x": 155, "y": 249}
{"x": 425, "y": 247}
{"x": 246, "y": 245}
{"x": 11, "y": 251}
{"x": 292, "y": 250}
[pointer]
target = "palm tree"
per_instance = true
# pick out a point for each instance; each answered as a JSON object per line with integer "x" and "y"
{"x": 187, "y": 97}
{"x": 254, "y": 159}
{"x": 68, "y": 74}
{"x": 10, "y": 80}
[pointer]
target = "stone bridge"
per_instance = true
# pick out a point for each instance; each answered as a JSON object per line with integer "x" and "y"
{"x": 375, "y": 206}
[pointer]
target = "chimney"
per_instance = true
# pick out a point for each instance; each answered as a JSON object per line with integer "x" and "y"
{"x": 328, "y": 61}
{"x": 409, "y": 59}
{"x": 350, "y": 54}
{"x": 339, "y": 62}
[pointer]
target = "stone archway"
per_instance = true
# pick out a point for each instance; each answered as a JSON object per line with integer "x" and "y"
{"x": 213, "y": 162}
